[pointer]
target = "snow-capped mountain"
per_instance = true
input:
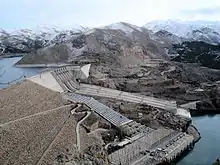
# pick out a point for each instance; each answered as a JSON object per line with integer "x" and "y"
{"x": 164, "y": 40}
{"x": 205, "y": 34}
{"x": 125, "y": 27}
{"x": 167, "y": 37}
{"x": 206, "y": 31}
{"x": 27, "y": 40}
{"x": 164, "y": 33}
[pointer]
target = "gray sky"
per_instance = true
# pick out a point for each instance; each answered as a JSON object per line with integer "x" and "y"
{"x": 33, "y": 13}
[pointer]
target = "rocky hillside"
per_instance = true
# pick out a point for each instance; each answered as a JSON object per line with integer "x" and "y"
{"x": 127, "y": 42}
{"x": 26, "y": 40}
{"x": 206, "y": 31}
{"x": 198, "y": 52}
{"x": 167, "y": 37}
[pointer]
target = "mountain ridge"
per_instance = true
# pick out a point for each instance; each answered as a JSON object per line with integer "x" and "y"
{"x": 126, "y": 41}
{"x": 187, "y": 29}
{"x": 27, "y": 40}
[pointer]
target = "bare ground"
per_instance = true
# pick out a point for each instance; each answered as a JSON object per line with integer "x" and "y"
{"x": 25, "y": 99}
{"x": 38, "y": 128}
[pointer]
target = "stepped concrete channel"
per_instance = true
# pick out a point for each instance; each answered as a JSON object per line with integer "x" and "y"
{"x": 107, "y": 113}
{"x": 125, "y": 96}
{"x": 171, "y": 106}
{"x": 142, "y": 144}
{"x": 68, "y": 81}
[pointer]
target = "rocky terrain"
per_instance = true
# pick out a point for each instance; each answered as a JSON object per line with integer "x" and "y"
{"x": 37, "y": 127}
{"x": 206, "y": 31}
{"x": 26, "y": 40}
{"x": 217, "y": 162}
{"x": 102, "y": 41}
{"x": 135, "y": 59}
{"x": 194, "y": 42}
{"x": 198, "y": 52}
{"x": 129, "y": 59}
{"x": 164, "y": 62}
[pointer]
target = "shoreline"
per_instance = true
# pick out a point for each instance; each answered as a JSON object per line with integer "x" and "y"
{"x": 195, "y": 113}
{"x": 51, "y": 65}
{"x": 12, "y": 55}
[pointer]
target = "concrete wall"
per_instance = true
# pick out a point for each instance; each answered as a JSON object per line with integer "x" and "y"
{"x": 47, "y": 80}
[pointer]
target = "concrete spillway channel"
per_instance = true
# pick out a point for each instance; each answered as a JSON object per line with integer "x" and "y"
{"x": 125, "y": 96}
{"x": 131, "y": 153}
{"x": 105, "y": 112}
{"x": 67, "y": 81}
{"x": 65, "y": 78}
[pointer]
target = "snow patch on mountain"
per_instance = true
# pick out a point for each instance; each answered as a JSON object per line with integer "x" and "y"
{"x": 27, "y": 40}
{"x": 206, "y": 31}
{"x": 125, "y": 27}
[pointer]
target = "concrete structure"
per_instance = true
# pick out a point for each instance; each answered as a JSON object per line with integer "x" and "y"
{"x": 171, "y": 106}
{"x": 133, "y": 128}
{"x": 47, "y": 80}
{"x": 105, "y": 112}
{"x": 142, "y": 144}
{"x": 183, "y": 112}
{"x": 190, "y": 105}
{"x": 152, "y": 148}
{"x": 61, "y": 79}
{"x": 125, "y": 96}
{"x": 85, "y": 70}
{"x": 68, "y": 80}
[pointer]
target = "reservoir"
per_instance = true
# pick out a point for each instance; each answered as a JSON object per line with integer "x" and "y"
{"x": 10, "y": 74}
{"x": 205, "y": 151}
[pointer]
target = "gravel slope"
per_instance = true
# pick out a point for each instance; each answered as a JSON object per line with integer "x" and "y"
{"x": 26, "y": 99}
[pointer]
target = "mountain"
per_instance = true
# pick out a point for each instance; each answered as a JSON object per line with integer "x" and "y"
{"x": 167, "y": 37}
{"x": 205, "y": 34}
{"x": 131, "y": 58}
{"x": 206, "y": 31}
{"x": 198, "y": 52}
{"x": 131, "y": 45}
{"x": 120, "y": 41}
{"x": 27, "y": 40}
{"x": 125, "y": 27}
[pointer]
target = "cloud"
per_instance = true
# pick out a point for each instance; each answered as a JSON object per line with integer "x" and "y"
{"x": 203, "y": 11}
{"x": 211, "y": 13}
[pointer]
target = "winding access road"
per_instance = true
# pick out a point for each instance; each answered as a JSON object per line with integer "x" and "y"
{"x": 77, "y": 130}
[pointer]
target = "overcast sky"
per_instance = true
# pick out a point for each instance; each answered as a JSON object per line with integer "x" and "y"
{"x": 32, "y": 13}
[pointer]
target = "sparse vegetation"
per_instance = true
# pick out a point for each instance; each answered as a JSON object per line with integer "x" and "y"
{"x": 198, "y": 52}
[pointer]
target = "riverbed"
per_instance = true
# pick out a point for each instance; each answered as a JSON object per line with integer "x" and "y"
{"x": 205, "y": 151}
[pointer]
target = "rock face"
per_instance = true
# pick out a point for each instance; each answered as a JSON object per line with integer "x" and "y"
{"x": 58, "y": 53}
{"x": 192, "y": 130}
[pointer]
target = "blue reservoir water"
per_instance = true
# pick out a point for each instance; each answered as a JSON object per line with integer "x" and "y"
{"x": 9, "y": 73}
{"x": 206, "y": 150}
